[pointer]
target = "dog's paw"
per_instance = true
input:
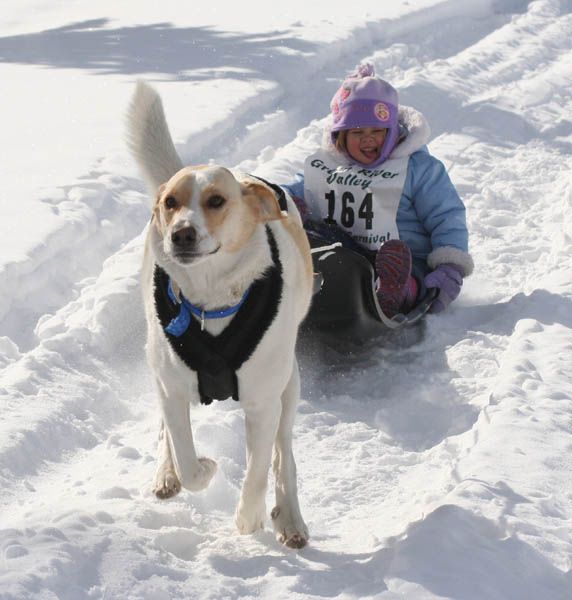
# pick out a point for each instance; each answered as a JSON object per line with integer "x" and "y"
{"x": 200, "y": 479}
{"x": 289, "y": 531}
{"x": 249, "y": 520}
{"x": 167, "y": 484}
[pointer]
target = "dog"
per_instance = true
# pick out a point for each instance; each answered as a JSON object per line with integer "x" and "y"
{"x": 226, "y": 280}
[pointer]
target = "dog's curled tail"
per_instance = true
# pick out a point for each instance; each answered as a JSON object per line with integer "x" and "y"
{"x": 148, "y": 137}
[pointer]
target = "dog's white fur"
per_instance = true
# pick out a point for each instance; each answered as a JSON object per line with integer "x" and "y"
{"x": 231, "y": 252}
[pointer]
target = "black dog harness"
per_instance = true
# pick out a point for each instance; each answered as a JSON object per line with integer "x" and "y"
{"x": 216, "y": 359}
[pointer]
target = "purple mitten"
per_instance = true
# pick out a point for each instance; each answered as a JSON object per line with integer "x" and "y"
{"x": 448, "y": 278}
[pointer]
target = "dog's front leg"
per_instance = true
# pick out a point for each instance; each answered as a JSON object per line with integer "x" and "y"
{"x": 167, "y": 482}
{"x": 261, "y": 424}
{"x": 286, "y": 516}
{"x": 194, "y": 473}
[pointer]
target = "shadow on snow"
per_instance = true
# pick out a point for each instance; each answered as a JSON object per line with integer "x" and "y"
{"x": 155, "y": 48}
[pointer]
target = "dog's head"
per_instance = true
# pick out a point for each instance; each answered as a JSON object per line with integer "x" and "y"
{"x": 203, "y": 210}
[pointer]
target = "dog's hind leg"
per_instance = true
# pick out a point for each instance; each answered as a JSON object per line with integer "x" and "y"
{"x": 194, "y": 473}
{"x": 166, "y": 482}
{"x": 262, "y": 419}
{"x": 287, "y": 519}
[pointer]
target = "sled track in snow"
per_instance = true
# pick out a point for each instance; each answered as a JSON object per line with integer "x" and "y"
{"x": 75, "y": 274}
{"x": 105, "y": 209}
{"x": 76, "y": 471}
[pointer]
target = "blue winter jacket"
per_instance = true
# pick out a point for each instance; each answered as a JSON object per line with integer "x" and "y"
{"x": 430, "y": 216}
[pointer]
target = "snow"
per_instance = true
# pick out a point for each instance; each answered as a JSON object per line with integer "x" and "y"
{"x": 441, "y": 470}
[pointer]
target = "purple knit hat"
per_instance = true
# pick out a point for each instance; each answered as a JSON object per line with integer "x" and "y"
{"x": 365, "y": 100}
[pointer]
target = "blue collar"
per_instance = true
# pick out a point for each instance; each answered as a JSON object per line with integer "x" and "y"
{"x": 181, "y": 322}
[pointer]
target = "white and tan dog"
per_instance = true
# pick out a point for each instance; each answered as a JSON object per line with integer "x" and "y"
{"x": 219, "y": 243}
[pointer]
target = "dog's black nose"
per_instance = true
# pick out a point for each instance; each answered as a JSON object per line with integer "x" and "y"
{"x": 184, "y": 237}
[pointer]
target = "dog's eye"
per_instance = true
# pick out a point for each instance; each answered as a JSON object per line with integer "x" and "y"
{"x": 215, "y": 201}
{"x": 171, "y": 202}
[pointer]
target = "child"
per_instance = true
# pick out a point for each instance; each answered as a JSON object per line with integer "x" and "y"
{"x": 375, "y": 180}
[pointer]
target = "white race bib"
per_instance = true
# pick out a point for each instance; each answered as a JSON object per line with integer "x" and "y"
{"x": 361, "y": 201}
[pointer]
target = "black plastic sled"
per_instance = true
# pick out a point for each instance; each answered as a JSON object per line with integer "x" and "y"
{"x": 344, "y": 309}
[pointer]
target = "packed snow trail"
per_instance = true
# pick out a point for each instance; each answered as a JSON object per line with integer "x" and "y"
{"x": 57, "y": 257}
{"x": 104, "y": 208}
{"x": 438, "y": 471}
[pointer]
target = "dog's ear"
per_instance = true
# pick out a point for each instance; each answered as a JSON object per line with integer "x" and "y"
{"x": 160, "y": 191}
{"x": 263, "y": 200}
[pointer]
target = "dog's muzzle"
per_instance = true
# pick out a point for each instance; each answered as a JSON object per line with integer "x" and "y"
{"x": 184, "y": 243}
{"x": 186, "y": 246}
{"x": 184, "y": 239}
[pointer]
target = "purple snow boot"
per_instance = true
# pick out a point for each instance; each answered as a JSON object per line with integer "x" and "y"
{"x": 397, "y": 289}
